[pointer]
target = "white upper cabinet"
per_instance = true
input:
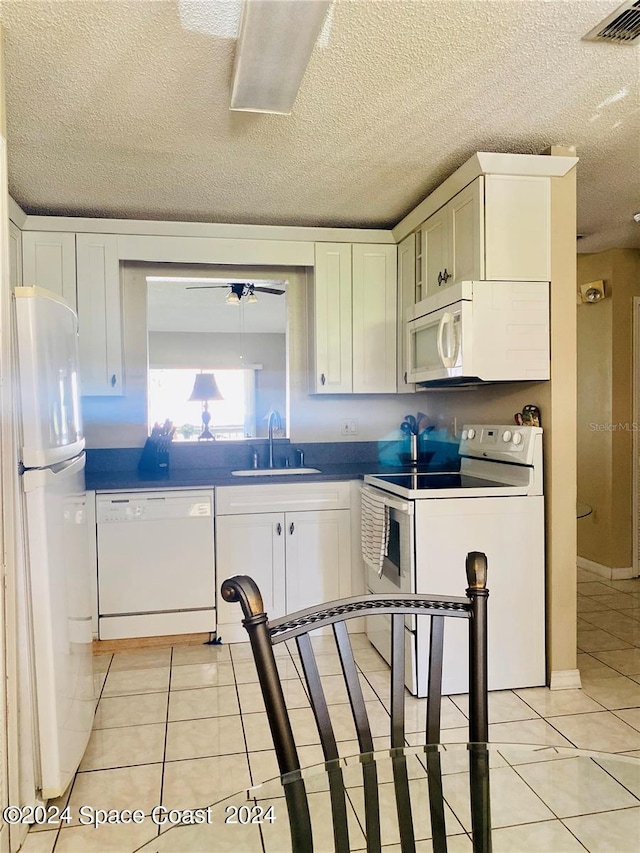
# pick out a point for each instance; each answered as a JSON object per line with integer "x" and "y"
{"x": 99, "y": 315}
{"x": 374, "y": 319}
{"x": 49, "y": 261}
{"x": 497, "y": 228}
{"x": 407, "y": 297}
{"x": 15, "y": 256}
{"x": 517, "y": 214}
{"x": 354, "y": 319}
{"x": 332, "y": 319}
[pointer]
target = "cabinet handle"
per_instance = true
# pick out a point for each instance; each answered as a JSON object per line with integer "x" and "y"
{"x": 113, "y": 381}
{"x": 291, "y": 527}
{"x": 279, "y": 529}
{"x": 444, "y": 277}
{"x": 322, "y": 379}
{"x": 405, "y": 377}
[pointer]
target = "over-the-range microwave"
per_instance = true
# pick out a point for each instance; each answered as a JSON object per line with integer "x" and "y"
{"x": 480, "y": 331}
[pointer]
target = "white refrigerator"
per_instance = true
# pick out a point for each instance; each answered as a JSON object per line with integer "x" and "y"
{"x": 55, "y": 517}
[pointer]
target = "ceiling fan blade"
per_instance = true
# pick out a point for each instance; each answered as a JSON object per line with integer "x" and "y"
{"x": 269, "y": 290}
{"x": 205, "y": 286}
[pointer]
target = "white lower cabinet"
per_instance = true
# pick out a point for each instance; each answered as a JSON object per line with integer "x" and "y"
{"x": 297, "y": 557}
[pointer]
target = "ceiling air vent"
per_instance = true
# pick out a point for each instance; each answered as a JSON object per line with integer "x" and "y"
{"x": 621, "y": 26}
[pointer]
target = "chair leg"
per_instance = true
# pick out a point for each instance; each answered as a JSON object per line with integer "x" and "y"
{"x": 480, "y": 797}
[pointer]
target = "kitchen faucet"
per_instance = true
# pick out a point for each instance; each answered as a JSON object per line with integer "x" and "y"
{"x": 273, "y": 419}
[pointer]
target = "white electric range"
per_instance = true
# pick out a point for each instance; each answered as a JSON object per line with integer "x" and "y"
{"x": 494, "y": 504}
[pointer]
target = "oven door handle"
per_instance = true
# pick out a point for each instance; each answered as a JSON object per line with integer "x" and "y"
{"x": 405, "y": 507}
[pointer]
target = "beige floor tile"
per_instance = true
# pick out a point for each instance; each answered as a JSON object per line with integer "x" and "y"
{"x": 526, "y": 731}
{"x": 626, "y": 585}
{"x": 125, "y": 746}
{"x": 601, "y": 731}
{"x": 626, "y": 769}
{"x": 451, "y": 717}
{"x": 630, "y": 716}
{"x": 264, "y": 764}
{"x": 251, "y": 696}
{"x": 613, "y": 693}
{"x": 99, "y": 679}
{"x": 335, "y": 689}
{"x": 550, "y": 703}
{"x": 626, "y": 662}
{"x": 573, "y": 786}
{"x": 327, "y": 665}
{"x": 504, "y": 706}
{"x": 369, "y": 660}
{"x": 109, "y": 838}
{"x": 609, "y": 620}
{"x": 594, "y": 588}
{"x": 189, "y": 676}
{"x": 590, "y": 666}
{"x": 619, "y": 601}
{"x": 588, "y": 605}
{"x": 547, "y": 837}
{"x": 128, "y": 682}
{"x": 512, "y": 801}
{"x": 202, "y": 653}
{"x": 141, "y": 659}
{"x": 204, "y": 702}
{"x": 120, "y": 788}
{"x": 344, "y": 726}
{"x": 242, "y": 651}
{"x": 101, "y": 662}
{"x": 613, "y": 832}
{"x": 135, "y": 710}
{"x": 597, "y": 640}
{"x": 39, "y": 842}
{"x": 198, "y": 782}
{"x": 206, "y": 737}
{"x": 216, "y": 837}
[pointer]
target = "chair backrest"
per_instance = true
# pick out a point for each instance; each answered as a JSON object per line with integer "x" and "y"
{"x": 263, "y": 635}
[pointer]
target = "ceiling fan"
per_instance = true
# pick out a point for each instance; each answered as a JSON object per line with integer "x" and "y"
{"x": 238, "y": 290}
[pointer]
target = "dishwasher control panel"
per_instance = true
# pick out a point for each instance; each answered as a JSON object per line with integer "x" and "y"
{"x": 151, "y": 506}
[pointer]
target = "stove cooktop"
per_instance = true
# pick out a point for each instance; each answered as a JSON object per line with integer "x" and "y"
{"x": 424, "y": 481}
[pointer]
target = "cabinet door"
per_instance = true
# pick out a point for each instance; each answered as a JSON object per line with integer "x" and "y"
{"x": 332, "y": 319}
{"x": 49, "y": 261}
{"x": 374, "y": 319}
{"x": 467, "y": 233}
{"x": 318, "y": 557}
{"x": 253, "y": 545}
{"x": 435, "y": 251}
{"x": 406, "y": 298}
{"x": 15, "y": 256}
{"x": 518, "y": 228}
{"x": 99, "y": 315}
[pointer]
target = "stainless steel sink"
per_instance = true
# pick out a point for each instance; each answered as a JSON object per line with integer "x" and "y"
{"x": 279, "y": 472}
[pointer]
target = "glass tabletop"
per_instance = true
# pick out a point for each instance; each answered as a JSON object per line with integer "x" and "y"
{"x": 453, "y": 798}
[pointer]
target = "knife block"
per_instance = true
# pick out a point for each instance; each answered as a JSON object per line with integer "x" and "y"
{"x": 155, "y": 457}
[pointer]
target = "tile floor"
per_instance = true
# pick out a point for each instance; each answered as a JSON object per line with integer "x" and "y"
{"x": 185, "y": 726}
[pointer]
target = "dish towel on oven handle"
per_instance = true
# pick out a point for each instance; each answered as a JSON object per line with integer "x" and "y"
{"x": 375, "y": 529}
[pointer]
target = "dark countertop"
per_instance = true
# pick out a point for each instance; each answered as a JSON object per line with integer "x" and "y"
{"x": 208, "y": 477}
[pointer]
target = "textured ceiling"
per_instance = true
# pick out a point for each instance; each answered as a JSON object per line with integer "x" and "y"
{"x": 120, "y": 109}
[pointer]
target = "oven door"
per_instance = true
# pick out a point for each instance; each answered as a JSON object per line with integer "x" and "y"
{"x": 397, "y": 577}
{"x": 437, "y": 342}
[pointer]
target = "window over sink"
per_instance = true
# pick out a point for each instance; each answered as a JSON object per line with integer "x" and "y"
{"x": 232, "y": 417}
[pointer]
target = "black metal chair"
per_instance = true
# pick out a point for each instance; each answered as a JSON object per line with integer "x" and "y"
{"x": 263, "y": 635}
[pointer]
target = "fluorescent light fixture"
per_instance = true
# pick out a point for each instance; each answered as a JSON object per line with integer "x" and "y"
{"x": 274, "y": 47}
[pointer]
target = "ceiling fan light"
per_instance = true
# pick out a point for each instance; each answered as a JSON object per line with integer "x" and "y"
{"x": 251, "y": 298}
{"x": 232, "y": 298}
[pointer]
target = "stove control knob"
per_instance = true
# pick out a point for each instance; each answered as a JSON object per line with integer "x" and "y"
{"x": 517, "y": 438}
{"x": 465, "y": 435}
{"x": 506, "y": 435}
{"x": 472, "y": 434}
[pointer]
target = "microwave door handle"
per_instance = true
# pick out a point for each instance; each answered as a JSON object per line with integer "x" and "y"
{"x": 441, "y": 326}
{"x": 447, "y": 321}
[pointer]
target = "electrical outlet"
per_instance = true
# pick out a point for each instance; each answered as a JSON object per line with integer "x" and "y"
{"x": 349, "y": 427}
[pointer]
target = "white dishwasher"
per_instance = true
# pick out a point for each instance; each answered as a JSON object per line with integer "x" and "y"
{"x": 156, "y": 563}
